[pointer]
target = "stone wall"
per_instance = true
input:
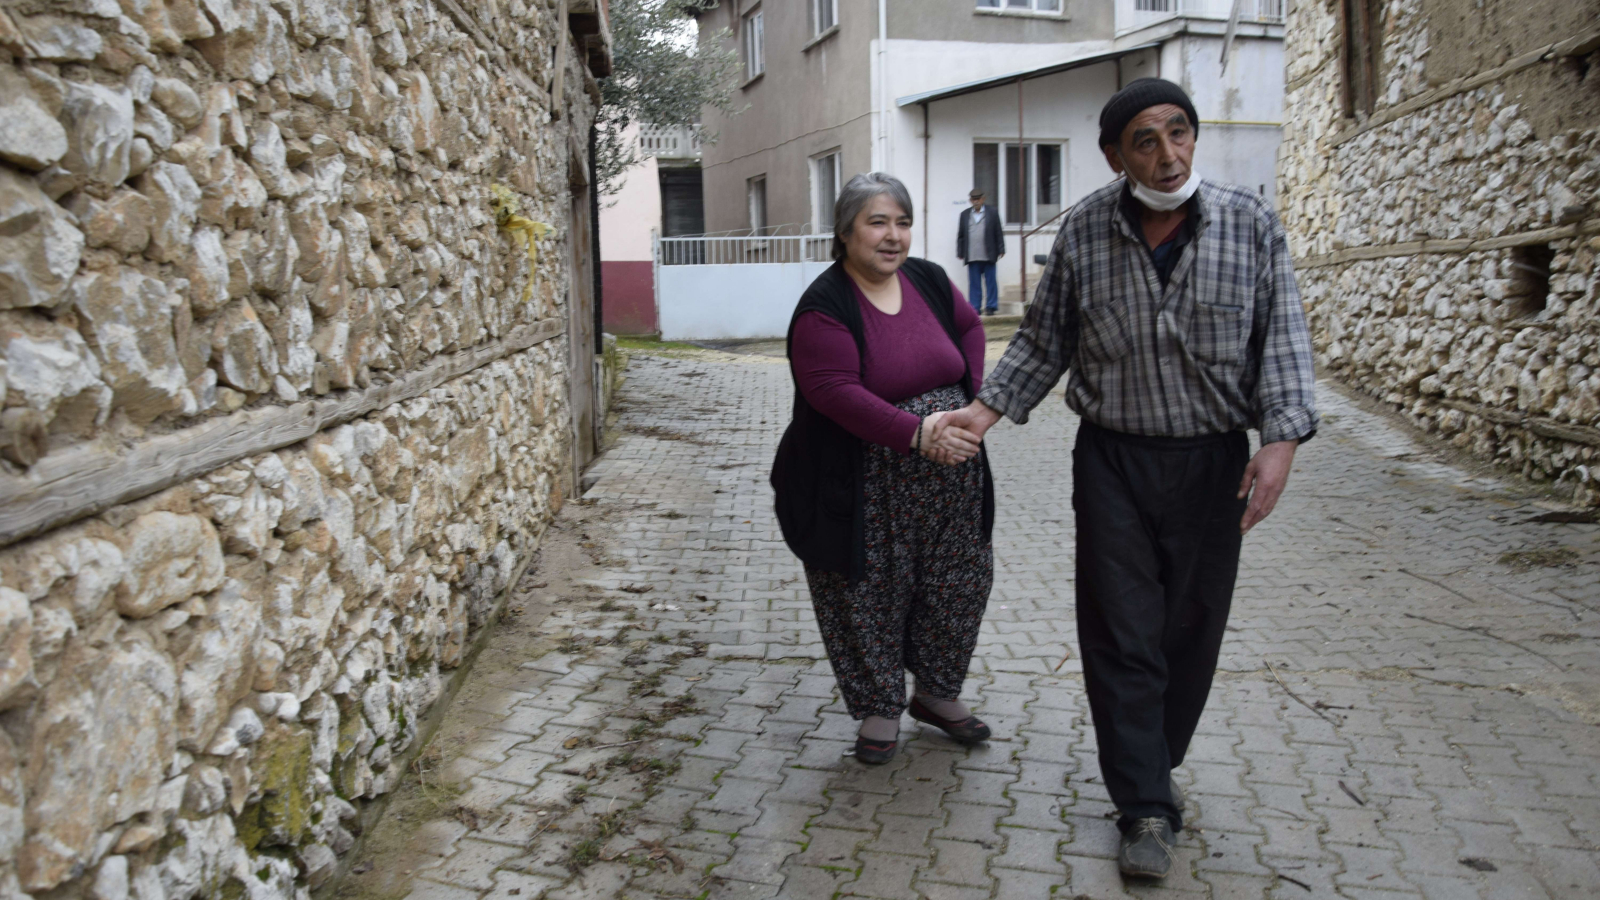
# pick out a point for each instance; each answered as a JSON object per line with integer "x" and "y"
{"x": 1446, "y": 243}
{"x": 281, "y": 414}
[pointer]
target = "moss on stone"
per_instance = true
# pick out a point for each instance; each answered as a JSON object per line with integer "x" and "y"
{"x": 282, "y": 765}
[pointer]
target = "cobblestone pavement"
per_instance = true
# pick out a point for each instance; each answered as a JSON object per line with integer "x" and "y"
{"x": 1407, "y": 704}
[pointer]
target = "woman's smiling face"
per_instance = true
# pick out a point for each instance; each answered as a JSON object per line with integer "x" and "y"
{"x": 880, "y": 237}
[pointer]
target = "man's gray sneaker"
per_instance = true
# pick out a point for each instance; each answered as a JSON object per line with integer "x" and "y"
{"x": 1178, "y": 798}
{"x": 1146, "y": 850}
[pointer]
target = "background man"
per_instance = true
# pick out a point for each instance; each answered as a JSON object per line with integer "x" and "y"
{"x": 1172, "y": 302}
{"x": 980, "y": 242}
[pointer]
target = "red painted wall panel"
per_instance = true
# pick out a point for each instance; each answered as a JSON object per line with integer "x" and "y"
{"x": 629, "y": 305}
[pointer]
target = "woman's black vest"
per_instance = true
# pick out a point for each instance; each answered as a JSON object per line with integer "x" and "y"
{"x": 817, "y": 475}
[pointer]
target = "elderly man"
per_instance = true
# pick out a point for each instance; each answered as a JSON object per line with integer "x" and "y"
{"x": 980, "y": 242}
{"x": 1172, "y": 302}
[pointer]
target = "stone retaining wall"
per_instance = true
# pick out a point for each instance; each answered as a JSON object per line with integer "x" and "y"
{"x": 224, "y": 226}
{"x": 1424, "y": 231}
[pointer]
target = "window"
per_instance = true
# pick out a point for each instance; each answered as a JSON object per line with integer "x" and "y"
{"x": 824, "y": 15}
{"x": 1026, "y": 184}
{"x": 755, "y": 46}
{"x": 1155, "y": 5}
{"x": 1530, "y": 279}
{"x": 755, "y": 192}
{"x": 1362, "y": 53}
{"x": 824, "y": 190}
{"x": 1045, "y": 6}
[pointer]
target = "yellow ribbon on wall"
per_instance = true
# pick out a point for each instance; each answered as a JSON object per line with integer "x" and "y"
{"x": 528, "y": 231}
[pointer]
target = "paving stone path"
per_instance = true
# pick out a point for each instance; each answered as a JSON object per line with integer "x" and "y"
{"x": 1406, "y": 707}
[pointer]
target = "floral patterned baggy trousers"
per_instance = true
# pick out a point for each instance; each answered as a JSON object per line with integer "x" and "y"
{"x": 928, "y": 574}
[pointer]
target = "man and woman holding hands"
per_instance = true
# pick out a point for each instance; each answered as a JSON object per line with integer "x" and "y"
{"x": 1170, "y": 303}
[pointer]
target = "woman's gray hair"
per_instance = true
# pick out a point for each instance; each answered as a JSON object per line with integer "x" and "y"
{"x": 855, "y": 196}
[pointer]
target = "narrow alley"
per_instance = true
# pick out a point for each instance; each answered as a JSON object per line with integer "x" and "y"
{"x": 1407, "y": 705}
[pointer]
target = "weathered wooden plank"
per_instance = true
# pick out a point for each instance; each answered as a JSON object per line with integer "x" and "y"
{"x": 1550, "y": 428}
{"x": 82, "y": 481}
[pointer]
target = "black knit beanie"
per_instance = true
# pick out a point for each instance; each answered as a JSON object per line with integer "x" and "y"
{"x": 1138, "y": 96}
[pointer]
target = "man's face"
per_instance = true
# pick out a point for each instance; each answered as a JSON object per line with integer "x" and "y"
{"x": 977, "y": 202}
{"x": 1156, "y": 149}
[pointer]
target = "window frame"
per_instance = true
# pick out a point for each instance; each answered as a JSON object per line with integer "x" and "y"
{"x": 817, "y": 6}
{"x": 750, "y": 186}
{"x": 814, "y": 166}
{"x": 753, "y": 41}
{"x": 999, "y": 200}
{"x": 1019, "y": 7}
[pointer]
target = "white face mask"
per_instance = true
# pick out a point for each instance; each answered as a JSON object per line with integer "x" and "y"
{"x": 1161, "y": 201}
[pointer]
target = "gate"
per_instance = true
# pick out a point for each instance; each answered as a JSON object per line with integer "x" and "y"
{"x": 727, "y": 288}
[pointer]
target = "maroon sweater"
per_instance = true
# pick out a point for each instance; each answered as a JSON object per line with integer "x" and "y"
{"x": 908, "y": 354}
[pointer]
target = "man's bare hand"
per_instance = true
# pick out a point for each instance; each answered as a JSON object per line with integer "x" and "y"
{"x": 1264, "y": 480}
{"x": 975, "y": 418}
{"x": 947, "y": 444}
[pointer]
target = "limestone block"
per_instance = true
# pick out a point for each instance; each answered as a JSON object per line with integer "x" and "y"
{"x": 243, "y": 350}
{"x": 32, "y": 138}
{"x": 217, "y": 667}
{"x": 268, "y": 158}
{"x": 170, "y": 558}
{"x": 11, "y": 799}
{"x": 52, "y": 369}
{"x": 245, "y": 520}
{"x": 205, "y": 792}
{"x": 316, "y": 240}
{"x": 232, "y": 196}
{"x": 175, "y": 203}
{"x": 123, "y": 696}
{"x": 128, "y": 321}
{"x": 110, "y": 880}
{"x": 207, "y": 270}
{"x": 178, "y": 100}
{"x": 424, "y": 113}
{"x": 277, "y": 252}
{"x": 58, "y": 39}
{"x": 332, "y": 79}
{"x": 16, "y": 667}
{"x": 99, "y": 126}
{"x": 39, "y": 245}
{"x": 122, "y": 222}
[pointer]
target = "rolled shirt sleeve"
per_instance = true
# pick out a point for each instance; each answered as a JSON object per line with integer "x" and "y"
{"x": 1285, "y": 400}
{"x": 1040, "y": 352}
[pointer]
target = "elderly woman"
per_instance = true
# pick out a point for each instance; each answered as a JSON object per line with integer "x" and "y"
{"x": 889, "y": 510}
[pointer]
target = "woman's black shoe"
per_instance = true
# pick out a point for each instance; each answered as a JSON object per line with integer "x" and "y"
{"x": 874, "y": 753}
{"x": 970, "y": 730}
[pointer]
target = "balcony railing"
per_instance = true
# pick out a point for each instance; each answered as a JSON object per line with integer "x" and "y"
{"x": 1136, "y": 14}
{"x": 669, "y": 142}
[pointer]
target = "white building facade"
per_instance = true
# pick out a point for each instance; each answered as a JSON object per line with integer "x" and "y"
{"x": 999, "y": 94}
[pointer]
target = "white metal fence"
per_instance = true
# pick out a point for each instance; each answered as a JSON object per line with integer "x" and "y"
{"x": 1134, "y": 14}
{"x": 730, "y": 251}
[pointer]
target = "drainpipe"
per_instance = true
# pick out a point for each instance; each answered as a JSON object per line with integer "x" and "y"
{"x": 1022, "y": 182}
{"x": 926, "y": 137}
{"x": 883, "y": 86}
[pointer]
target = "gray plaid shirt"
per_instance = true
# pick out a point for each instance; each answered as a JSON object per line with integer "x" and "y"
{"x": 1223, "y": 347}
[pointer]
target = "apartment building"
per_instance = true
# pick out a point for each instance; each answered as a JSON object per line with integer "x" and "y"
{"x": 952, "y": 94}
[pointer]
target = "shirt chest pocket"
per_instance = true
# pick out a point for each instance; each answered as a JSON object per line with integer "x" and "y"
{"x": 1104, "y": 334}
{"x": 1216, "y": 334}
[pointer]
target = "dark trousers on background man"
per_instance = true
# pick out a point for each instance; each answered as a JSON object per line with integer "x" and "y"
{"x": 1158, "y": 551}
{"x": 980, "y": 274}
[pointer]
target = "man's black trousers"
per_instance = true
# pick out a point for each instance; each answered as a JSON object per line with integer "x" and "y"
{"x": 1158, "y": 549}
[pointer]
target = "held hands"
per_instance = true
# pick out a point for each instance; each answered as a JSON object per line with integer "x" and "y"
{"x": 1268, "y": 472}
{"x": 953, "y": 437}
